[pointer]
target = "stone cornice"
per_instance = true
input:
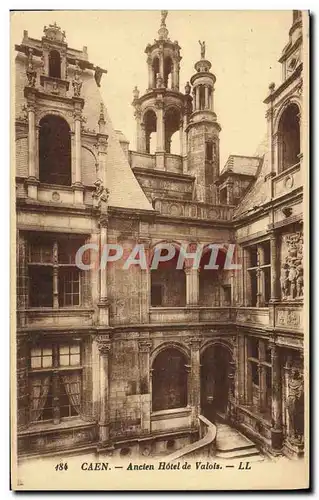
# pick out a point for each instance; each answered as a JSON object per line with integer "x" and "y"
{"x": 271, "y": 97}
{"x": 163, "y": 174}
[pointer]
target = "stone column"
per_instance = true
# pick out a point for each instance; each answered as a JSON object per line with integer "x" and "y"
{"x": 259, "y": 288}
{"x": 212, "y": 99}
{"x": 276, "y": 403}
{"x": 277, "y": 153}
{"x": 77, "y": 177}
{"x": 104, "y": 347}
{"x": 151, "y": 82}
{"x": 194, "y": 99}
{"x": 192, "y": 286}
{"x": 206, "y": 97}
{"x": 32, "y": 181}
{"x": 55, "y": 288}
{"x": 139, "y": 131}
{"x": 181, "y": 138}
{"x": 197, "y": 97}
{"x": 145, "y": 284}
{"x": 144, "y": 347}
{"x": 194, "y": 386}
{"x": 103, "y": 299}
{"x": 160, "y": 127}
{"x": 274, "y": 259}
{"x": 77, "y": 135}
{"x": 176, "y": 75}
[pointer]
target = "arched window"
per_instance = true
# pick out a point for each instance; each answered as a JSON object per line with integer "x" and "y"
{"x": 55, "y": 64}
{"x": 172, "y": 125}
{"x": 168, "y": 284}
{"x": 155, "y": 66}
{"x": 54, "y": 151}
{"x": 289, "y": 138}
{"x": 169, "y": 380}
{"x": 150, "y": 126}
{"x": 201, "y": 97}
{"x": 168, "y": 67}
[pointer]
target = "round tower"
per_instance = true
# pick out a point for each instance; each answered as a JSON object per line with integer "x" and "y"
{"x": 203, "y": 132}
{"x": 162, "y": 107}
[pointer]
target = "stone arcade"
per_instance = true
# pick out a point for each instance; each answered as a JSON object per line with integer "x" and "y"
{"x": 126, "y": 362}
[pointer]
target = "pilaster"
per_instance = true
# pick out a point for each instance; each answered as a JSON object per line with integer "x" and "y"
{"x": 104, "y": 347}
{"x": 276, "y": 404}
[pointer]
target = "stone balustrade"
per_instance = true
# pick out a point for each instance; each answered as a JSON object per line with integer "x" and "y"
{"x": 189, "y": 314}
{"x": 141, "y": 160}
{"x": 193, "y": 210}
{"x": 204, "y": 447}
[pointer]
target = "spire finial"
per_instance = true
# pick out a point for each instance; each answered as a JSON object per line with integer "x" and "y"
{"x": 163, "y": 31}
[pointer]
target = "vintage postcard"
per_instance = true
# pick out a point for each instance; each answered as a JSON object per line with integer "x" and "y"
{"x": 160, "y": 220}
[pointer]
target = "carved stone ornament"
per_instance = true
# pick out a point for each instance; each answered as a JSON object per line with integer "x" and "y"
{"x": 101, "y": 194}
{"x": 136, "y": 93}
{"x": 77, "y": 82}
{"x": 30, "y": 71}
{"x": 291, "y": 280}
{"x": 159, "y": 81}
{"x": 144, "y": 346}
{"x": 194, "y": 343}
{"x": 295, "y": 406}
{"x": 104, "y": 345}
{"x": 54, "y": 32}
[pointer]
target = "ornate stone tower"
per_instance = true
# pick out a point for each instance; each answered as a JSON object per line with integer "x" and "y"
{"x": 163, "y": 107}
{"x": 203, "y": 132}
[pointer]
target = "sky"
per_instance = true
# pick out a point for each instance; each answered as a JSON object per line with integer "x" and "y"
{"x": 243, "y": 47}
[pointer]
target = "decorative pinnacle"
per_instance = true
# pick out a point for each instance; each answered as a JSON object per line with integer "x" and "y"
{"x": 163, "y": 31}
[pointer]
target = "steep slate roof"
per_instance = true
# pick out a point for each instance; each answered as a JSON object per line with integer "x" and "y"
{"x": 125, "y": 191}
{"x": 244, "y": 165}
{"x": 259, "y": 192}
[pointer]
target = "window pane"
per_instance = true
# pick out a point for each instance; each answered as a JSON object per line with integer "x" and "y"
{"x": 35, "y": 351}
{"x": 254, "y": 374}
{"x": 254, "y": 348}
{"x": 75, "y": 349}
{"x": 253, "y": 261}
{"x": 75, "y": 359}
{"x": 69, "y": 290}
{"x": 36, "y": 362}
{"x": 47, "y": 361}
{"x": 64, "y": 360}
{"x": 40, "y": 286}
{"x": 64, "y": 349}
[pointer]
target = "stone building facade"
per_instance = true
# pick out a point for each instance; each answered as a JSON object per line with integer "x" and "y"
{"x": 120, "y": 361}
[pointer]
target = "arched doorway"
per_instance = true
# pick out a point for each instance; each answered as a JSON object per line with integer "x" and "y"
{"x": 215, "y": 370}
{"x": 169, "y": 380}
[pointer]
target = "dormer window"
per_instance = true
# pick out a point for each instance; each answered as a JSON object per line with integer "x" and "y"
{"x": 54, "y": 64}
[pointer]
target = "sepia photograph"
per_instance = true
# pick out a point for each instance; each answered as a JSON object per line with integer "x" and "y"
{"x": 160, "y": 235}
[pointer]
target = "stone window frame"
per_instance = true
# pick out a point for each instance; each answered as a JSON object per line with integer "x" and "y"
{"x": 260, "y": 269}
{"x": 55, "y": 371}
{"x": 259, "y": 397}
{"x": 59, "y": 266}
